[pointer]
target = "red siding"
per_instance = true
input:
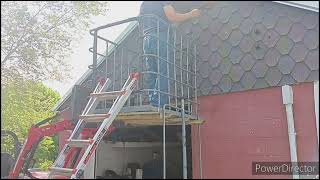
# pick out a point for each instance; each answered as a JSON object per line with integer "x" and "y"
{"x": 305, "y": 123}
{"x": 251, "y": 126}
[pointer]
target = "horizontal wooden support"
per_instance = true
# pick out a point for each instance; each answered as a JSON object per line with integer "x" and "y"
{"x": 154, "y": 118}
{"x": 151, "y": 116}
{"x": 143, "y": 144}
{"x": 159, "y": 123}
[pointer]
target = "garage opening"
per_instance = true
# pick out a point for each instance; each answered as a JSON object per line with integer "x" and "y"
{"x": 127, "y": 153}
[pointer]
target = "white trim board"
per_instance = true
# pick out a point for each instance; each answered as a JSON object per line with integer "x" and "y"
{"x": 316, "y": 105}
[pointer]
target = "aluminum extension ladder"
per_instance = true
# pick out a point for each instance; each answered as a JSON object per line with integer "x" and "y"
{"x": 106, "y": 119}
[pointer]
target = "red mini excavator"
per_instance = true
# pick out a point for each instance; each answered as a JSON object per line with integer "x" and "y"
{"x": 63, "y": 121}
{"x": 35, "y": 135}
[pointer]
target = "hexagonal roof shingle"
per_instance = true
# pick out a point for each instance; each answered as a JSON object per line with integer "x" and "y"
{"x": 251, "y": 45}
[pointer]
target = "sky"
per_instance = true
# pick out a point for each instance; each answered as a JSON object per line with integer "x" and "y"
{"x": 82, "y": 58}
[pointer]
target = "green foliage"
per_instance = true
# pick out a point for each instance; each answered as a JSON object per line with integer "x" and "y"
{"x": 37, "y": 36}
{"x": 24, "y": 103}
{"x": 46, "y": 153}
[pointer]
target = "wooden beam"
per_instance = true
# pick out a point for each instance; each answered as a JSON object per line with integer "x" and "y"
{"x": 147, "y": 115}
{"x": 160, "y": 122}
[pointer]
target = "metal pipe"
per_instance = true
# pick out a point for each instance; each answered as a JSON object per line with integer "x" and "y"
{"x": 121, "y": 59}
{"x": 91, "y": 50}
{"x": 188, "y": 87}
{"x": 164, "y": 140}
{"x": 94, "y": 69}
{"x": 113, "y": 24}
{"x": 106, "y": 73}
{"x": 158, "y": 55}
{"x": 195, "y": 78}
{"x": 174, "y": 67}
{"x": 146, "y": 35}
{"x": 184, "y": 149}
{"x": 181, "y": 57}
{"x": 92, "y": 31}
{"x": 155, "y": 90}
{"x": 287, "y": 98}
{"x": 114, "y": 70}
{"x": 140, "y": 43}
{"x": 106, "y": 57}
{"x": 168, "y": 74}
{"x": 163, "y": 59}
{"x": 108, "y": 41}
{"x": 156, "y": 17}
{"x": 200, "y": 150}
{"x": 128, "y": 70}
{"x": 124, "y": 47}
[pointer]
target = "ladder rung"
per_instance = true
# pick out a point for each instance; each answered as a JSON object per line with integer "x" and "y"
{"x": 94, "y": 117}
{"x": 80, "y": 142}
{"x": 62, "y": 171}
{"x": 97, "y": 95}
{"x": 107, "y": 95}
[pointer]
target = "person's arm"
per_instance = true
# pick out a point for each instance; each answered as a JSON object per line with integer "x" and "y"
{"x": 175, "y": 17}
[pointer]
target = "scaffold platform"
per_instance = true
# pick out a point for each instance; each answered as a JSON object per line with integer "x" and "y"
{"x": 147, "y": 115}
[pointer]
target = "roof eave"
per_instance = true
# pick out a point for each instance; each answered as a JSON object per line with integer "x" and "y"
{"x": 82, "y": 79}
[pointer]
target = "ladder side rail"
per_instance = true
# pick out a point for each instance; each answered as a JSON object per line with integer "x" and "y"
{"x": 122, "y": 89}
{"x": 95, "y": 103}
{"x": 62, "y": 155}
{"x": 116, "y": 107}
{"x": 102, "y": 130}
{"x": 89, "y": 102}
{"x": 80, "y": 125}
{"x": 95, "y": 90}
{"x": 113, "y": 110}
{"x": 92, "y": 103}
{"x": 91, "y": 107}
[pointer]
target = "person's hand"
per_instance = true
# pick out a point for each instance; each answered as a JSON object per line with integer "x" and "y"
{"x": 195, "y": 13}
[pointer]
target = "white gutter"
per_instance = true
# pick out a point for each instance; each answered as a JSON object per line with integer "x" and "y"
{"x": 316, "y": 105}
{"x": 287, "y": 98}
{"x": 308, "y": 5}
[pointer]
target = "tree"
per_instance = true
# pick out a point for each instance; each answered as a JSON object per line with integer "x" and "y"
{"x": 24, "y": 103}
{"x": 37, "y": 36}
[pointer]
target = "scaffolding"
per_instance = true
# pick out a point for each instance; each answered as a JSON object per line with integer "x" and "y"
{"x": 171, "y": 97}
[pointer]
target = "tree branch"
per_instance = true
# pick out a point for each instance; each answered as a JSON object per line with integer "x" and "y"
{"x": 57, "y": 23}
{"x": 11, "y": 51}
{"x": 35, "y": 15}
{"x": 6, "y": 58}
